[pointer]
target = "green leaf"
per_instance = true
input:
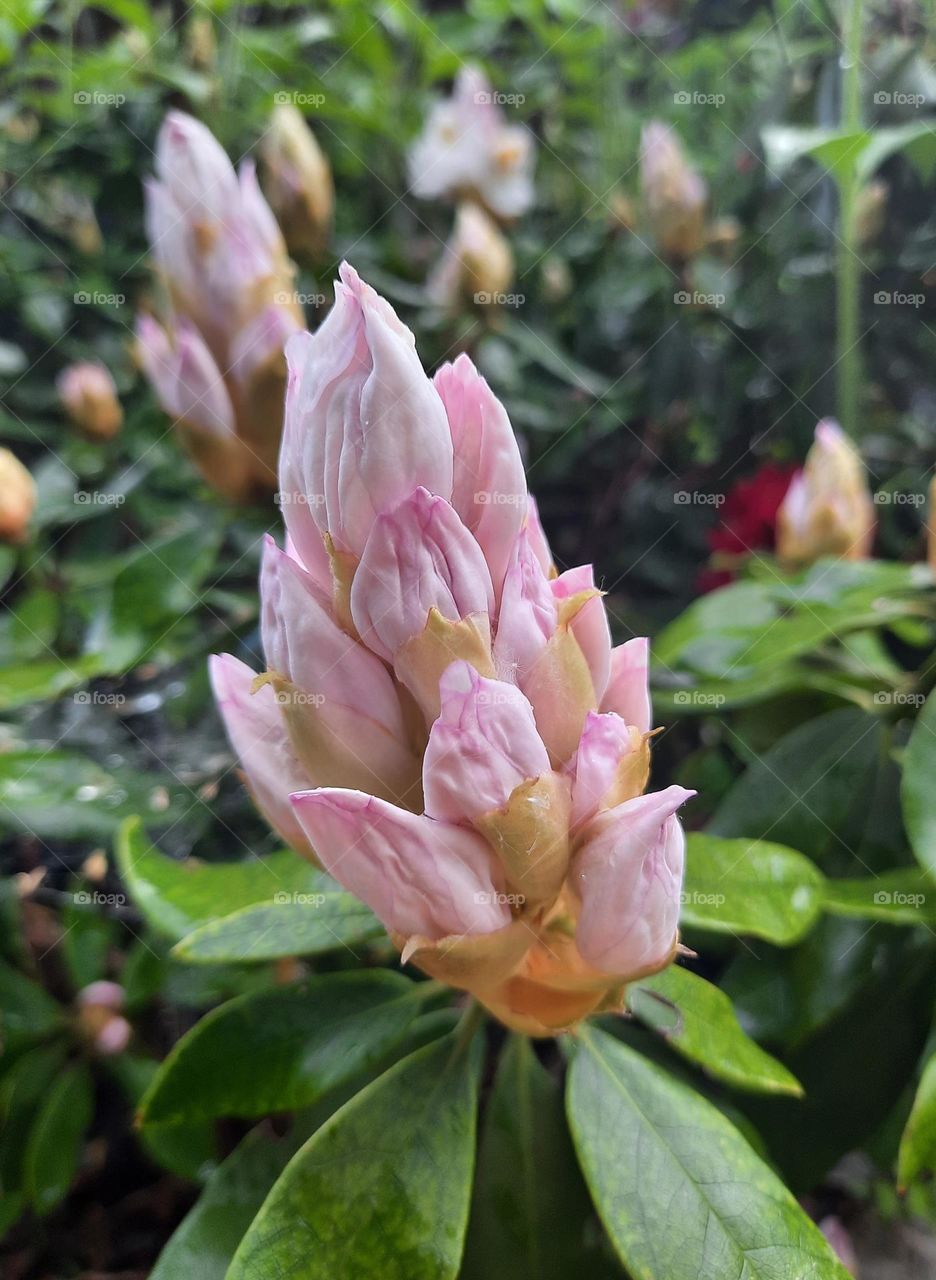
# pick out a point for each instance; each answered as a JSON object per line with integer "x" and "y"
{"x": 64, "y": 794}
{"x": 178, "y": 897}
{"x": 917, "y": 1154}
{"x": 916, "y": 141}
{"x": 750, "y": 887}
{"x": 680, "y": 1191}
{"x": 282, "y": 1049}
{"x": 383, "y": 1188}
{"x": 302, "y": 925}
{"x": 21, "y": 1092}
{"x": 906, "y": 896}
{"x": 918, "y": 794}
{"x": 699, "y": 1022}
{"x": 54, "y": 1146}
{"x": 26, "y": 1012}
{"x": 530, "y": 1205}
{"x": 836, "y": 151}
{"x": 87, "y": 937}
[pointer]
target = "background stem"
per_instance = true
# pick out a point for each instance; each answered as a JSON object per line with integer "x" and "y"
{"x": 848, "y": 264}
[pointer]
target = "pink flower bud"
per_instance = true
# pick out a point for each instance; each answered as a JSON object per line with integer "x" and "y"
{"x": 194, "y": 168}
{"x": 468, "y": 150}
{"x": 198, "y": 394}
{"x": 89, "y": 397}
{"x": 364, "y": 425}
{"x": 482, "y": 747}
{"x": 113, "y": 1037}
{"x": 629, "y": 875}
{"x": 17, "y": 498}
{"x": 528, "y": 615}
{"x": 537, "y": 536}
{"x": 419, "y": 556}
{"x": 108, "y": 995}
{"x": 489, "y": 487}
{"x": 674, "y": 195}
{"x": 610, "y": 766}
{"x": 258, "y": 736}
{"x": 628, "y": 693}
{"x": 419, "y": 876}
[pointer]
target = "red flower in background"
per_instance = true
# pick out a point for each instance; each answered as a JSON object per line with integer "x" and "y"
{"x": 748, "y": 521}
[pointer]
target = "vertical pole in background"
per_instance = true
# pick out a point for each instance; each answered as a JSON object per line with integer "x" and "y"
{"x": 848, "y": 264}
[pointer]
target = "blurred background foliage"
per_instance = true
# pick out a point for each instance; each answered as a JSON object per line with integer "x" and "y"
{"x": 625, "y": 397}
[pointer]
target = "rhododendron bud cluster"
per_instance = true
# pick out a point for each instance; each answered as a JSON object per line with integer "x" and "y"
{"x": 217, "y": 364}
{"x": 828, "y": 509}
{"x": 467, "y": 151}
{"x": 443, "y": 723}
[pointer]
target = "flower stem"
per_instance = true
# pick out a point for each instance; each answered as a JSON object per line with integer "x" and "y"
{"x": 848, "y": 264}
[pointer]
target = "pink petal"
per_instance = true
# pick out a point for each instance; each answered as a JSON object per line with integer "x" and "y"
{"x": 482, "y": 746}
{"x": 590, "y": 624}
{"x": 419, "y": 876}
{"x": 605, "y": 742}
{"x": 628, "y": 692}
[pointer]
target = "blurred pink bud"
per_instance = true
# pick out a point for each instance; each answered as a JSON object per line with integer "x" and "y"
{"x": 828, "y": 509}
{"x": 198, "y": 392}
{"x": 89, "y": 396}
{"x": 537, "y": 536}
{"x": 483, "y": 745}
{"x": 419, "y": 556}
{"x": 17, "y": 498}
{"x": 675, "y": 196}
{"x": 364, "y": 425}
{"x": 113, "y": 1037}
{"x": 629, "y": 875}
{"x": 194, "y": 168}
{"x": 628, "y": 692}
{"x": 489, "y": 490}
{"x": 107, "y": 995}
{"x": 419, "y": 876}
{"x": 258, "y": 736}
{"x": 467, "y": 150}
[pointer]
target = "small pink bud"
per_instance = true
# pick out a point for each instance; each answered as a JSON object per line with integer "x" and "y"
{"x": 482, "y": 747}
{"x": 113, "y": 1037}
{"x": 675, "y": 196}
{"x": 611, "y": 759}
{"x": 590, "y": 623}
{"x": 108, "y": 995}
{"x": 17, "y": 498}
{"x": 828, "y": 510}
{"x": 419, "y": 556}
{"x": 528, "y": 615}
{"x": 629, "y": 875}
{"x": 89, "y": 397}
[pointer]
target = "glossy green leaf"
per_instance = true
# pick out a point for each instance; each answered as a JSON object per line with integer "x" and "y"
{"x": 383, "y": 1188}
{"x": 918, "y": 792}
{"x": 22, "y": 1090}
{"x": 282, "y": 1049}
{"x": 530, "y": 1206}
{"x": 750, "y": 887}
{"x": 302, "y": 925}
{"x": 699, "y": 1022}
{"x": 178, "y": 897}
{"x": 681, "y": 1193}
{"x": 907, "y": 896}
{"x": 54, "y": 1147}
{"x": 917, "y": 1154}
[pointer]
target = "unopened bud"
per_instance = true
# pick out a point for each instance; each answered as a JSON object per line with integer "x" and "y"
{"x": 89, "y": 397}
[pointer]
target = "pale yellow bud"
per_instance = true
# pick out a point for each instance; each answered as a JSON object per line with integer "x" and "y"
{"x": 298, "y": 182}
{"x": 89, "y": 397}
{"x": 870, "y": 211}
{"x": 828, "y": 510}
{"x": 17, "y": 498}
{"x": 477, "y": 265}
